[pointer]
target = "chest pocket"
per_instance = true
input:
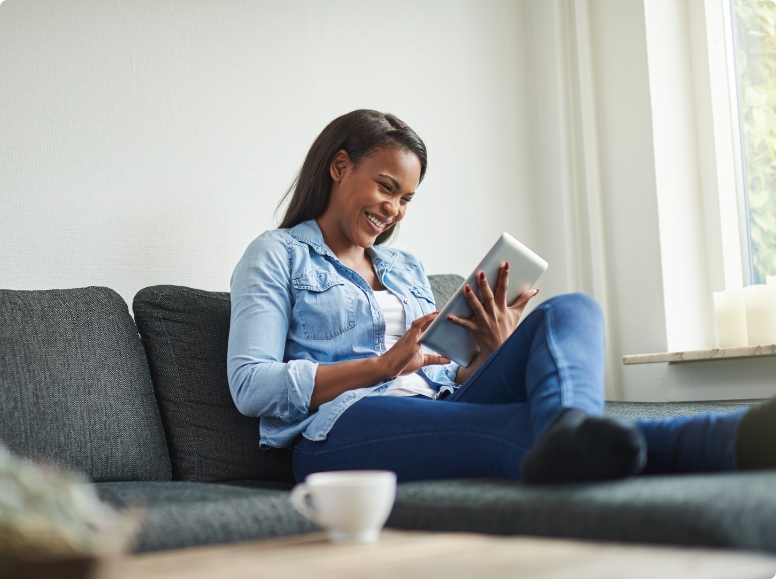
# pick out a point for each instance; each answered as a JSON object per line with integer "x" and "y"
{"x": 424, "y": 298}
{"x": 324, "y": 305}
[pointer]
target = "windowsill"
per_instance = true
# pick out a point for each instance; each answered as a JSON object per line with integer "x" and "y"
{"x": 702, "y": 355}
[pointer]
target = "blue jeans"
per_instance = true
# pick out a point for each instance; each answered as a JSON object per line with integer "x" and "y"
{"x": 554, "y": 360}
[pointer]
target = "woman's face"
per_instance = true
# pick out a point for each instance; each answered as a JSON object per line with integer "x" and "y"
{"x": 367, "y": 200}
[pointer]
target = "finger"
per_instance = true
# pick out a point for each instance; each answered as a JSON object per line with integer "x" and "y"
{"x": 434, "y": 360}
{"x": 502, "y": 284}
{"x": 524, "y": 298}
{"x": 485, "y": 291}
{"x": 463, "y": 322}
{"x": 420, "y": 324}
{"x": 428, "y": 317}
{"x": 474, "y": 302}
{"x": 423, "y": 321}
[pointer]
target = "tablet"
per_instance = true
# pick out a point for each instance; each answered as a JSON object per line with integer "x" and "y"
{"x": 525, "y": 269}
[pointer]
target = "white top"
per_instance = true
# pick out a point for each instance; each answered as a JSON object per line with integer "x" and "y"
{"x": 393, "y": 312}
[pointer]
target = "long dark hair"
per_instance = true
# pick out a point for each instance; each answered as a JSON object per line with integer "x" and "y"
{"x": 360, "y": 133}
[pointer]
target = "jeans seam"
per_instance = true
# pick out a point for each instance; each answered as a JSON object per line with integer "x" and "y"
{"x": 566, "y": 392}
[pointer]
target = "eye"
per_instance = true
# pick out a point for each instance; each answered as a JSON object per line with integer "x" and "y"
{"x": 387, "y": 187}
{"x": 406, "y": 199}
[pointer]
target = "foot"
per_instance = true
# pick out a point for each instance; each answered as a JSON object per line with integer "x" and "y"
{"x": 578, "y": 448}
{"x": 756, "y": 444}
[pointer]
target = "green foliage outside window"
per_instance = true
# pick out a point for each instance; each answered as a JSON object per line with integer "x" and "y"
{"x": 754, "y": 25}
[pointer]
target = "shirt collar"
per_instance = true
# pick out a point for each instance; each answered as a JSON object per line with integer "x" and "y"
{"x": 309, "y": 232}
{"x": 383, "y": 257}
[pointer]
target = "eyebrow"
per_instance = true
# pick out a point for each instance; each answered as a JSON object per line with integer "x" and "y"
{"x": 395, "y": 183}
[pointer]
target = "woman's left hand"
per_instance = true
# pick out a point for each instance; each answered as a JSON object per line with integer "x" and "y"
{"x": 494, "y": 320}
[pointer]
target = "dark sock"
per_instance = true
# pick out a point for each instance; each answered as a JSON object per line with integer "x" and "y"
{"x": 756, "y": 444}
{"x": 577, "y": 448}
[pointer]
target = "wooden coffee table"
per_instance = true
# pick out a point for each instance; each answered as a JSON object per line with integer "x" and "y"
{"x": 410, "y": 555}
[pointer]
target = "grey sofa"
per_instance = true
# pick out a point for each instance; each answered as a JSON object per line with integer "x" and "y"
{"x": 143, "y": 408}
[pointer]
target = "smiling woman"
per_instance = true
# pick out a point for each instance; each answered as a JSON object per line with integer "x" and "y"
{"x": 323, "y": 346}
{"x": 358, "y": 135}
{"x": 366, "y": 203}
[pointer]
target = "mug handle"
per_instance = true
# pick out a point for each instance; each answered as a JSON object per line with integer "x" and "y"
{"x": 299, "y": 496}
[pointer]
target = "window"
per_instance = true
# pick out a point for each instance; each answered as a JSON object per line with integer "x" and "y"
{"x": 754, "y": 44}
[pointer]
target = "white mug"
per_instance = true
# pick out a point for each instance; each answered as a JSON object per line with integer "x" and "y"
{"x": 351, "y": 505}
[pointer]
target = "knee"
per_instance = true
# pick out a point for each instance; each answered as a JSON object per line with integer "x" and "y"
{"x": 576, "y": 306}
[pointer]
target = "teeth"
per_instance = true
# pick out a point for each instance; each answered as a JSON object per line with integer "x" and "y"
{"x": 378, "y": 224}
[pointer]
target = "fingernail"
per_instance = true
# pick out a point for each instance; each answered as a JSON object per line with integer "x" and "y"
{"x": 467, "y": 289}
{"x": 449, "y": 318}
{"x": 482, "y": 275}
{"x": 506, "y": 266}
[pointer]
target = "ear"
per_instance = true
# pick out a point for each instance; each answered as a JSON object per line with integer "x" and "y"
{"x": 340, "y": 165}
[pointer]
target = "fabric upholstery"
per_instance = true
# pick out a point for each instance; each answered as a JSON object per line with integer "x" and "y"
{"x": 187, "y": 514}
{"x": 185, "y": 333}
{"x": 75, "y": 388}
{"x": 718, "y": 510}
{"x": 443, "y": 287}
{"x": 656, "y": 410}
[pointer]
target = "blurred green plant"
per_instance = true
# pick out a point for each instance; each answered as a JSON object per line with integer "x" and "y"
{"x": 47, "y": 512}
{"x": 755, "y": 53}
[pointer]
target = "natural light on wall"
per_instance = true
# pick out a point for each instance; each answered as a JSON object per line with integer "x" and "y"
{"x": 754, "y": 38}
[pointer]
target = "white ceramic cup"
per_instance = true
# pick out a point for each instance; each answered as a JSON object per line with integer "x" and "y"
{"x": 351, "y": 505}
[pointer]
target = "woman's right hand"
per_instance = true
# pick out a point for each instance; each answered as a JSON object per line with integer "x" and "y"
{"x": 406, "y": 356}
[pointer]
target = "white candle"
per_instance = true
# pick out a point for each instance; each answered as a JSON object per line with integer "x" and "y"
{"x": 730, "y": 315}
{"x": 760, "y": 303}
{"x": 770, "y": 279}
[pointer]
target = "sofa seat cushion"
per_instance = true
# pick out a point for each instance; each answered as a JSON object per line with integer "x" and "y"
{"x": 75, "y": 388}
{"x": 187, "y": 514}
{"x": 736, "y": 510}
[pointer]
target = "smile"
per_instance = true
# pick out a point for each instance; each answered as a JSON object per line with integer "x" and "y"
{"x": 378, "y": 223}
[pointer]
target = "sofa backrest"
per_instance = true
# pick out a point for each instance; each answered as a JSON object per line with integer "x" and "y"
{"x": 75, "y": 388}
{"x": 185, "y": 332}
{"x": 444, "y": 286}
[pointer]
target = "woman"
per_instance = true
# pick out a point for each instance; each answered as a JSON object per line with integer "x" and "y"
{"x": 324, "y": 348}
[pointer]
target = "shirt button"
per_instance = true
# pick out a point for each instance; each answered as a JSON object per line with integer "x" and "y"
{"x": 406, "y": 301}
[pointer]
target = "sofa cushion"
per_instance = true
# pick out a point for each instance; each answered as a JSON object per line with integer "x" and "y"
{"x": 656, "y": 410}
{"x": 444, "y": 286}
{"x": 75, "y": 387}
{"x": 734, "y": 510}
{"x": 185, "y": 333}
{"x": 187, "y": 514}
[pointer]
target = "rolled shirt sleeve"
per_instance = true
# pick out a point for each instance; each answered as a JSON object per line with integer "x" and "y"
{"x": 260, "y": 381}
{"x": 442, "y": 377}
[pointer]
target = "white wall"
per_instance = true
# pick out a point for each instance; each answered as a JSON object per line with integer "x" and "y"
{"x": 147, "y": 142}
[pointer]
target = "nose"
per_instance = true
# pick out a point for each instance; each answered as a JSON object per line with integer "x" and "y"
{"x": 391, "y": 208}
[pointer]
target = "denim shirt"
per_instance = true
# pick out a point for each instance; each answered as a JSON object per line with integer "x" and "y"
{"x": 295, "y": 306}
